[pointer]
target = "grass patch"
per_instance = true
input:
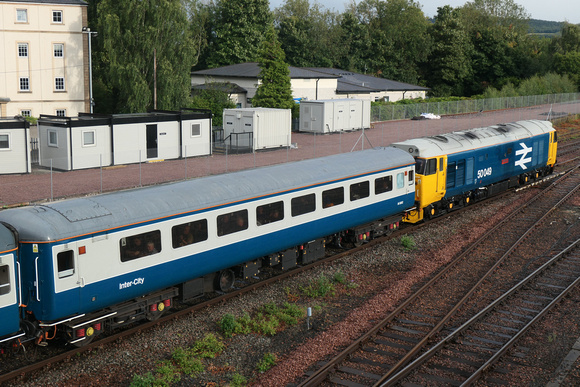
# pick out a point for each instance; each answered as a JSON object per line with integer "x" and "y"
{"x": 267, "y": 320}
{"x": 408, "y": 242}
{"x": 267, "y": 362}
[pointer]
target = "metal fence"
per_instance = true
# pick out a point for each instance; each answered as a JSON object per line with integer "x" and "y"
{"x": 47, "y": 183}
{"x": 401, "y": 112}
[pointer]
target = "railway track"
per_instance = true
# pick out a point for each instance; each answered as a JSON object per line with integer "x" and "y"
{"x": 440, "y": 305}
{"x": 473, "y": 348}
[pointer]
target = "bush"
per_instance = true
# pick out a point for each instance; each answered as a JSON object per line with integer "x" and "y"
{"x": 209, "y": 347}
{"x": 320, "y": 287}
{"x": 267, "y": 362}
{"x": 188, "y": 362}
{"x": 408, "y": 242}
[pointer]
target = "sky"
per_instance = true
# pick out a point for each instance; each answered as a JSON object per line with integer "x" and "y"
{"x": 553, "y": 10}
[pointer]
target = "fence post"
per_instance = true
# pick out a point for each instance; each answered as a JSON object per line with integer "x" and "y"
{"x": 51, "y": 191}
{"x": 140, "y": 179}
{"x": 101, "y": 167}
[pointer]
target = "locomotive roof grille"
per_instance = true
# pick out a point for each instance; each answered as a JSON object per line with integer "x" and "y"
{"x": 440, "y": 138}
{"x": 471, "y": 135}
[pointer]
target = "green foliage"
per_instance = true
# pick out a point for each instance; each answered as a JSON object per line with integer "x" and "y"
{"x": 274, "y": 90}
{"x": 408, "y": 242}
{"x": 267, "y": 362}
{"x": 209, "y": 347}
{"x": 146, "y": 380}
{"x": 339, "y": 278}
{"x": 238, "y": 381}
{"x": 188, "y": 362}
{"x": 167, "y": 373}
{"x": 236, "y": 30}
{"x": 320, "y": 287}
{"x": 133, "y": 36}
{"x": 215, "y": 97}
{"x": 267, "y": 320}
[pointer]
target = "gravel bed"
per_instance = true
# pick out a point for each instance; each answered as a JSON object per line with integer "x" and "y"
{"x": 384, "y": 275}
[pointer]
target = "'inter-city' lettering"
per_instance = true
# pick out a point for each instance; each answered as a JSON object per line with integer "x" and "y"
{"x": 128, "y": 284}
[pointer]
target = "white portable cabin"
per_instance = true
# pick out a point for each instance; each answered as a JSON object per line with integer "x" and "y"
{"x": 257, "y": 128}
{"x": 93, "y": 140}
{"x": 334, "y": 115}
{"x": 15, "y": 146}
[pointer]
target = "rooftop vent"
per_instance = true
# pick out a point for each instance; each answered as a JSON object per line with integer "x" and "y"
{"x": 440, "y": 138}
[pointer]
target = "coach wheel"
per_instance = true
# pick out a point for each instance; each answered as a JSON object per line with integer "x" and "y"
{"x": 450, "y": 206}
{"x": 430, "y": 212}
{"x": 467, "y": 200}
{"x": 225, "y": 280}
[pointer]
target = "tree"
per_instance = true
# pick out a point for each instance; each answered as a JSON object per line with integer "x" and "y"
{"x": 137, "y": 35}
{"x": 237, "y": 29}
{"x": 309, "y": 34}
{"x": 215, "y": 97}
{"x": 498, "y": 31}
{"x": 275, "y": 90}
{"x": 449, "y": 62}
{"x": 398, "y": 39}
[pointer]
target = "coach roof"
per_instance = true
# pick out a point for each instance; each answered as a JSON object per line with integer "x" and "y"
{"x": 70, "y": 218}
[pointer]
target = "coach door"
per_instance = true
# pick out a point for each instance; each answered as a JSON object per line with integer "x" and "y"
{"x": 152, "y": 141}
{"x": 67, "y": 274}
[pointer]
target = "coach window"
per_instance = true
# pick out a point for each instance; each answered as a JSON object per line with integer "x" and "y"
{"x": 303, "y": 204}
{"x": 4, "y": 279}
{"x": 400, "y": 180}
{"x": 332, "y": 197}
{"x": 359, "y": 191}
{"x": 140, "y": 245}
{"x": 65, "y": 264}
{"x": 269, "y": 213}
{"x": 189, "y": 233}
{"x": 383, "y": 184}
{"x": 232, "y": 222}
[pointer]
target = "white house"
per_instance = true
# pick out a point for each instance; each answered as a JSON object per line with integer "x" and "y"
{"x": 307, "y": 84}
{"x": 44, "y": 67}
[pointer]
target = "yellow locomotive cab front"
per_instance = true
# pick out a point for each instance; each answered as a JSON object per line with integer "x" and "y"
{"x": 430, "y": 178}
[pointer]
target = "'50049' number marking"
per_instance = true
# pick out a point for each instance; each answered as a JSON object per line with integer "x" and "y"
{"x": 483, "y": 173}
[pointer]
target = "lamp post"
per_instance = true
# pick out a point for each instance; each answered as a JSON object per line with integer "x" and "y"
{"x": 87, "y": 30}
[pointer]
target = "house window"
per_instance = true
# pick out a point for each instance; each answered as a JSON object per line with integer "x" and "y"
{"x": 22, "y": 16}
{"x": 22, "y": 50}
{"x": 195, "y": 130}
{"x": 24, "y": 84}
{"x": 57, "y": 16}
{"x": 61, "y": 112}
{"x": 25, "y": 113}
{"x": 59, "y": 83}
{"x": 58, "y": 49}
{"x": 89, "y": 138}
{"x": 4, "y": 141}
{"x": 52, "y": 138}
